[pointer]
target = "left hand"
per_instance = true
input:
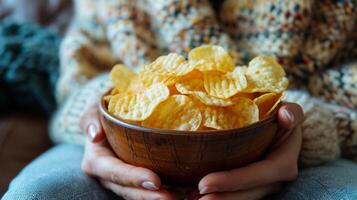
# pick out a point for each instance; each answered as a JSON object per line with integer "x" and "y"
{"x": 265, "y": 177}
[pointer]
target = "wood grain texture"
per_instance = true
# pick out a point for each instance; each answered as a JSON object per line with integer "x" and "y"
{"x": 185, "y": 157}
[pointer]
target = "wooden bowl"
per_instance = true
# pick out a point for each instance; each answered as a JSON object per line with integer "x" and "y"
{"x": 180, "y": 157}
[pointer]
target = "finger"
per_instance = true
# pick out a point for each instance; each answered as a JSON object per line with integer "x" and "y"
{"x": 290, "y": 115}
{"x": 132, "y": 193}
{"x": 280, "y": 138}
{"x": 91, "y": 124}
{"x": 112, "y": 169}
{"x": 280, "y": 165}
{"x": 252, "y": 194}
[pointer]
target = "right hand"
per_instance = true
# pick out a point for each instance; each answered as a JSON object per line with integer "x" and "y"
{"x": 125, "y": 180}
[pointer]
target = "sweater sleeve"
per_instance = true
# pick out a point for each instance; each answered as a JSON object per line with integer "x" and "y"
{"x": 305, "y": 35}
{"x": 64, "y": 126}
{"x": 84, "y": 51}
{"x": 329, "y": 130}
{"x": 184, "y": 25}
{"x": 84, "y": 55}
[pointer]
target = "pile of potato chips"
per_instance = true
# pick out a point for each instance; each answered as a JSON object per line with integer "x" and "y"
{"x": 205, "y": 92}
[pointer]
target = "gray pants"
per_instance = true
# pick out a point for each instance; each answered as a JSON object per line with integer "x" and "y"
{"x": 57, "y": 175}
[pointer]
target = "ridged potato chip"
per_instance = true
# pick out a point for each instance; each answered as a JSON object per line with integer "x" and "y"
{"x": 223, "y": 85}
{"x": 264, "y": 74}
{"x": 112, "y": 103}
{"x": 121, "y": 76}
{"x": 247, "y": 111}
{"x": 139, "y": 106}
{"x": 244, "y": 113}
{"x": 195, "y": 88}
{"x": 204, "y": 93}
{"x": 267, "y": 103}
{"x": 172, "y": 64}
{"x": 219, "y": 118}
{"x": 214, "y": 57}
{"x": 251, "y": 96}
{"x": 178, "y": 112}
{"x": 146, "y": 79}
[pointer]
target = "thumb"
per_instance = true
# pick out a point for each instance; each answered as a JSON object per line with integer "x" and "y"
{"x": 291, "y": 115}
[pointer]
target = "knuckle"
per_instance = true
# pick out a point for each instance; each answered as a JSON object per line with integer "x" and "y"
{"x": 114, "y": 177}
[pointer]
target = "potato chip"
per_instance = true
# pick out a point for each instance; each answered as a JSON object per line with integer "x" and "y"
{"x": 112, "y": 103}
{"x": 238, "y": 72}
{"x": 172, "y": 64}
{"x": 247, "y": 111}
{"x": 115, "y": 91}
{"x": 219, "y": 118}
{"x": 139, "y": 106}
{"x": 267, "y": 103}
{"x": 195, "y": 88}
{"x": 121, "y": 76}
{"x": 251, "y": 96}
{"x": 204, "y": 93}
{"x": 178, "y": 112}
{"x": 145, "y": 80}
{"x": 173, "y": 90}
{"x": 214, "y": 57}
{"x": 264, "y": 74}
{"x": 223, "y": 85}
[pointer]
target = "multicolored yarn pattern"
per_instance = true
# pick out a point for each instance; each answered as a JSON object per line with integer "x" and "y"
{"x": 311, "y": 39}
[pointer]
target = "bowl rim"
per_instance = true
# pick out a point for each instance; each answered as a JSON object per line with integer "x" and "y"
{"x": 105, "y": 113}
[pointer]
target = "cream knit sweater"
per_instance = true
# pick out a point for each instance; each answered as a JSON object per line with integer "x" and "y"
{"x": 312, "y": 44}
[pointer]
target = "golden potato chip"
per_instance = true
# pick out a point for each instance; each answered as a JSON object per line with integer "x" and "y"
{"x": 205, "y": 93}
{"x": 195, "y": 74}
{"x": 173, "y": 90}
{"x": 251, "y": 96}
{"x": 112, "y": 103}
{"x": 267, "y": 103}
{"x": 238, "y": 72}
{"x": 145, "y": 80}
{"x": 219, "y": 118}
{"x": 214, "y": 57}
{"x": 246, "y": 110}
{"x": 109, "y": 96}
{"x": 223, "y": 85}
{"x": 195, "y": 88}
{"x": 139, "y": 106}
{"x": 178, "y": 112}
{"x": 172, "y": 64}
{"x": 121, "y": 76}
{"x": 115, "y": 91}
{"x": 265, "y": 74}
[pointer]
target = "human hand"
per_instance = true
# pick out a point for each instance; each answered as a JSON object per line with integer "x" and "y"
{"x": 125, "y": 180}
{"x": 264, "y": 177}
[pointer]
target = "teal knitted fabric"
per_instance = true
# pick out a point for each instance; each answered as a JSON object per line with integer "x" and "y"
{"x": 28, "y": 67}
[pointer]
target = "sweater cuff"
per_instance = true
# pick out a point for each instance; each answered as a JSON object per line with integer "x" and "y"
{"x": 320, "y": 139}
{"x": 64, "y": 127}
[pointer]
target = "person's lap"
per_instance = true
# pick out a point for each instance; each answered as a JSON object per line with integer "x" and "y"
{"x": 57, "y": 175}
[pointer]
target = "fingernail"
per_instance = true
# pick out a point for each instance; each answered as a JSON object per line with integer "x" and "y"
{"x": 149, "y": 185}
{"x": 207, "y": 190}
{"x": 92, "y": 131}
{"x": 289, "y": 115}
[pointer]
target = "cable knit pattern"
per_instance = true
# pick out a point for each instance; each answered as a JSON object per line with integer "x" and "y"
{"x": 64, "y": 127}
{"x": 309, "y": 38}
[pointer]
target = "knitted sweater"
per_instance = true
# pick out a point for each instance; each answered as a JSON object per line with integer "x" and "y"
{"x": 311, "y": 39}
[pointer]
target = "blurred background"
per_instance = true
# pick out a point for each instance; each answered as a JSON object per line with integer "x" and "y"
{"x": 28, "y": 71}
